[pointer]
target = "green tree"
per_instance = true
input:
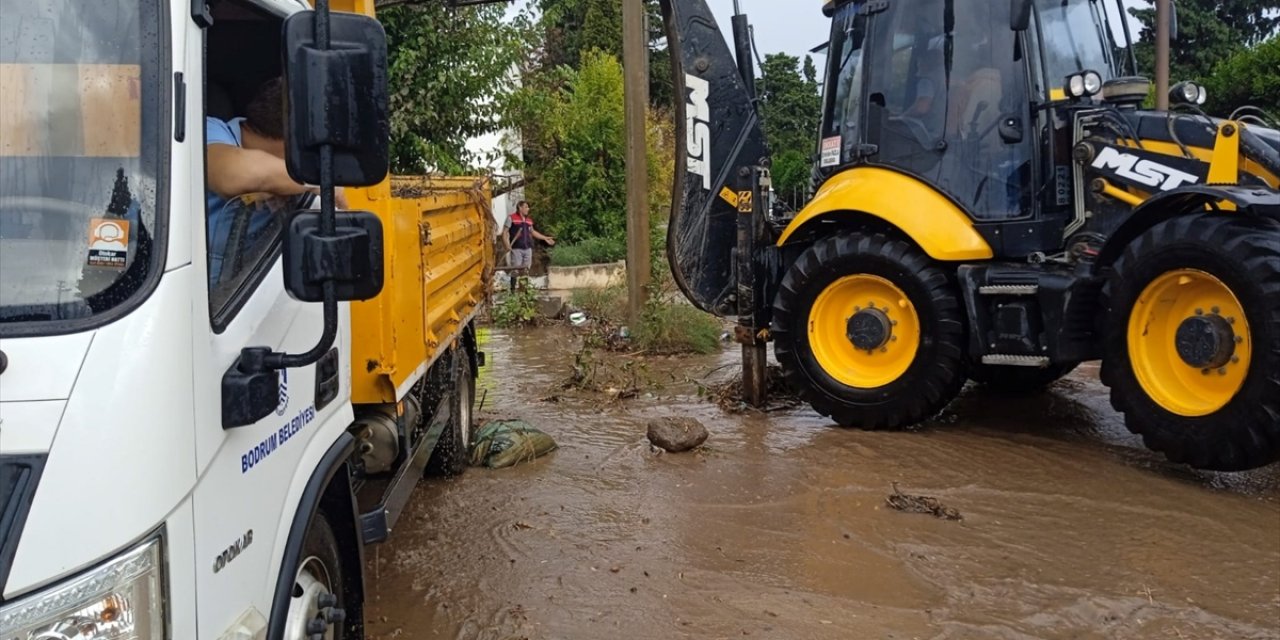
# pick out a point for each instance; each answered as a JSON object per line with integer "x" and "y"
{"x": 1249, "y": 77}
{"x": 449, "y": 76}
{"x": 1209, "y": 31}
{"x": 791, "y": 108}
{"x": 578, "y": 186}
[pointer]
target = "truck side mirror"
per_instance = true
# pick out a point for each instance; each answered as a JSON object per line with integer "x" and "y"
{"x": 1020, "y": 15}
{"x": 351, "y": 258}
{"x": 336, "y": 96}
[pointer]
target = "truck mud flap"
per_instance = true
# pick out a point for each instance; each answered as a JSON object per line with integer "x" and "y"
{"x": 719, "y": 132}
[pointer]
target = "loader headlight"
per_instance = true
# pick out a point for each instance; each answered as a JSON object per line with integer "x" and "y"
{"x": 120, "y": 600}
{"x": 1188, "y": 93}
{"x": 1083, "y": 84}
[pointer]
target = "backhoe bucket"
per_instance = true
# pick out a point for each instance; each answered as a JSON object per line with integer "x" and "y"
{"x": 719, "y": 134}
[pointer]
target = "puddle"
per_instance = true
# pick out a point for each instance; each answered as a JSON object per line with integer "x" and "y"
{"x": 779, "y": 528}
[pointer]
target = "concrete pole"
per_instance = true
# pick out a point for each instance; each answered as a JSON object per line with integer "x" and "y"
{"x": 1162, "y": 55}
{"x": 635, "y": 63}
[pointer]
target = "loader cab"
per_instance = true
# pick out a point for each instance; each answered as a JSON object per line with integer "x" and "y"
{"x": 953, "y": 95}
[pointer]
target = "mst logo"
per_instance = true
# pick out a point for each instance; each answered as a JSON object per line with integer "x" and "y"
{"x": 698, "y": 125}
{"x": 1144, "y": 172}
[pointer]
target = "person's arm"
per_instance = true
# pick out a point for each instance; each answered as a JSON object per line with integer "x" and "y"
{"x": 538, "y": 236}
{"x": 235, "y": 171}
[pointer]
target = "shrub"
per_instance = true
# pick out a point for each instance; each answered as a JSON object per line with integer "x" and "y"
{"x": 669, "y": 328}
{"x": 517, "y": 308}
{"x": 609, "y": 305}
{"x": 589, "y": 251}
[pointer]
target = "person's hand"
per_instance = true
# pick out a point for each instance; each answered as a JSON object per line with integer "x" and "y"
{"x": 340, "y": 198}
{"x": 551, "y": 241}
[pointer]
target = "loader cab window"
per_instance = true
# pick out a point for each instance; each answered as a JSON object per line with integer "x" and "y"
{"x": 1075, "y": 38}
{"x": 842, "y": 112}
{"x": 941, "y": 84}
{"x": 242, "y": 90}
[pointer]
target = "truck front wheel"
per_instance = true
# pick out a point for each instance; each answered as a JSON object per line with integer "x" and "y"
{"x": 1193, "y": 340}
{"x": 317, "y": 600}
{"x": 870, "y": 331}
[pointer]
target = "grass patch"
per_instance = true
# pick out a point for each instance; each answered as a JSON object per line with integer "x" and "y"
{"x": 609, "y": 304}
{"x": 518, "y": 308}
{"x": 668, "y": 328}
{"x": 589, "y": 251}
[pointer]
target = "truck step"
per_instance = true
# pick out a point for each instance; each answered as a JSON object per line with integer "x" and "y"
{"x": 1009, "y": 290}
{"x": 1016, "y": 361}
{"x": 376, "y": 524}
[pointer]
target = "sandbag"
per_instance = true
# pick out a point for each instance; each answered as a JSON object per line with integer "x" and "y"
{"x": 506, "y": 443}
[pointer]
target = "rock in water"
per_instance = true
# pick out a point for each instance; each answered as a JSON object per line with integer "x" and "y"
{"x": 677, "y": 434}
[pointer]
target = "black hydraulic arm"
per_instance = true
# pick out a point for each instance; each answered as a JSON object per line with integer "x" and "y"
{"x": 719, "y": 134}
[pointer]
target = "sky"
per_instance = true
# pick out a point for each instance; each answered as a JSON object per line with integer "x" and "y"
{"x": 787, "y": 26}
{"x": 796, "y": 26}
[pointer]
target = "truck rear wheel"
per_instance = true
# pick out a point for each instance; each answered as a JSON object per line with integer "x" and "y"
{"x": 450, "y": 457}
{"x": 1193, "y": 340}
{"x": 870, "y": 332}
{"x": 317, "y": 599}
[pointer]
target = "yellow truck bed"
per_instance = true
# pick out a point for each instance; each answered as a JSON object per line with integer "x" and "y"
{"x": 439, "y": 265}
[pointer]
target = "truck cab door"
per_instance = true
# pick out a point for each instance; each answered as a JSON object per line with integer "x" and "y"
{"x": 250, "y": 474}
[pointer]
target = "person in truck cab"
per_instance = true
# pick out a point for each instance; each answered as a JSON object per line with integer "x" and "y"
{"x": 246, "y": 156}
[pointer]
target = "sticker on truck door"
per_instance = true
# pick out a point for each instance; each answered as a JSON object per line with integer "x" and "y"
{"x": 108, "y": 243}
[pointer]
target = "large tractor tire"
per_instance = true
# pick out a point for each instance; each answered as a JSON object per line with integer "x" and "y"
{"x": 870, "y": 332}
{"x": 1193, "y": 340}
{"x": 1018, "y": 380}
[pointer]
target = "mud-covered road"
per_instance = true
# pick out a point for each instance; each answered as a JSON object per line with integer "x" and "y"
{"x": 779, "y": 528}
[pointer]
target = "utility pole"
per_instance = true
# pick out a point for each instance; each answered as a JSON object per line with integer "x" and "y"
{"x": 635, "y": 63}
{"x": 1162, "y": 55}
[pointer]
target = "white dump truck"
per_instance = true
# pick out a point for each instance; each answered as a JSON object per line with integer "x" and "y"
{"x": 196, "y": 453}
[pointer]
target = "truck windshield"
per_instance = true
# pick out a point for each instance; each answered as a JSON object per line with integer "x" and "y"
{"x": 1076, "y": 39}
{"x": 81, "y": 137}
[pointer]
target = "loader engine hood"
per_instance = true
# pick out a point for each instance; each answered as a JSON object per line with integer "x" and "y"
{"x": 1269, "y": 136}
{"x": 1258, "y": 143}
{"x": 719, "y": 132}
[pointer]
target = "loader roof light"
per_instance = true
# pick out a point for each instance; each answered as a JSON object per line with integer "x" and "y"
{"x": 1083, "y": 84}
{"x": 1188, "y": 93}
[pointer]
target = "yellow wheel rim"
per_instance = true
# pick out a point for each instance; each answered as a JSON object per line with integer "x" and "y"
{"x": 1188, "y": 388}
{"x": 880, "y": 303}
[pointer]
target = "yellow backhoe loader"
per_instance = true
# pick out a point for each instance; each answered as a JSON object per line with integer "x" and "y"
{"x": 992, "y": 202}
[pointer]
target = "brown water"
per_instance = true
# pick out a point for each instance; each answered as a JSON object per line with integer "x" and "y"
{"x": 1071, "y": 529}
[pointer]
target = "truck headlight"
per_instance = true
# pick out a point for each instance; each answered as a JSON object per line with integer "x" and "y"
{"x": 123, "y": 599}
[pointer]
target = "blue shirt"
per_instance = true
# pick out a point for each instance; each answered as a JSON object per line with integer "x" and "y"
{"x": 221, "y": 217}
{"x": 219, "y": 132}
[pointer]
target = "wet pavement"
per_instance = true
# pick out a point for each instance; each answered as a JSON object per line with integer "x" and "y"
{"x": 779, "y": 528}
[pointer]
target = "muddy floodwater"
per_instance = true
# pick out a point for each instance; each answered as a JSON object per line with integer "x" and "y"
{"x": 779, "y": 527}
